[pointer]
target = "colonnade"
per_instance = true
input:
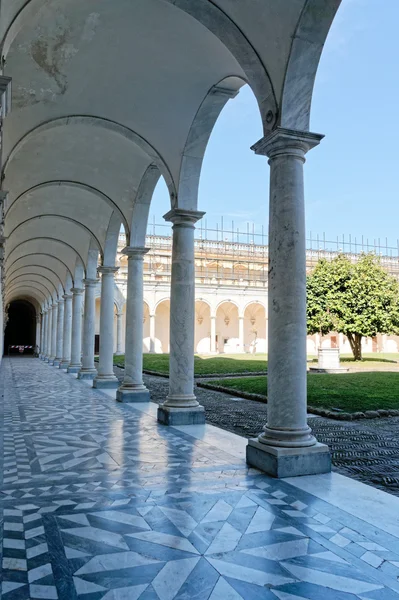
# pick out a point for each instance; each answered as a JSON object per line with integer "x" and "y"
{"x": 287, "y": 446}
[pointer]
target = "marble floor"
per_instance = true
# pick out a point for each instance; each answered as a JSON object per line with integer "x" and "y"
{"x": 101, "y": 502}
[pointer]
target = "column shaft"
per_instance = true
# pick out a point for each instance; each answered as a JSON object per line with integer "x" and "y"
{"x": 241, "y": 333}
{"x": 67, "y": 332}
{"x": 213, "y": 334}
{"x": 119, "y": 333}
{"x": 76, "y": 342}
{"x": 287, "y": 446}
{"x": 106, "y": 377}
{"x": 152, "y": 333}
{"x": 181, "y": 406}
{"x": 43, "y": 335}
{"x": 49, "y": 332}
{"x": 60, "y": 332}
{"x": 38, "y": 336}
{"x": 133, "y": 388}
{"x": 88, "y": 370}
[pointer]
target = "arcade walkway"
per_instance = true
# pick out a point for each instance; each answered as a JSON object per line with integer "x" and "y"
{"x": 101, "y": 502}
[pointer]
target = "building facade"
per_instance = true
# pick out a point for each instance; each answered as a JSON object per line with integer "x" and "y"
{"x": 231, "y": 297}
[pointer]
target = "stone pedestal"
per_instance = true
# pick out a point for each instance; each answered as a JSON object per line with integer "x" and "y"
{"x": 181, "y": 406}
{"x": 287, "y": 446}
{"x": 133, "y": 388}
{"x": 328, "y": 362}
{"x": 105, "y": 378}
{"x": 289, "y": 462}
{"x": 88, "y": 370}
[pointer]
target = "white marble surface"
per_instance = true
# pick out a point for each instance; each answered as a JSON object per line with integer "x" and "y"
{"x": 76, "y": 343}
{"x": 106, "y": 357}
{"x": 362, "y": 501}
{"x": 67, "y": 333}
{"x": 89, "y": 324}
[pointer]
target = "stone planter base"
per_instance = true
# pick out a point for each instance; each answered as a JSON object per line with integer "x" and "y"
{"x": 181, "y": 416}
{"x": 288, "y": 462}
{"x": 87, "y": 375}
{"x": 74, "y": 369}
{"x": 132, "y": 395}
{"x": 105, "y": 384}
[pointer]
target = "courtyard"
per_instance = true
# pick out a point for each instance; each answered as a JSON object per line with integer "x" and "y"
{"x": 102, "y": 502}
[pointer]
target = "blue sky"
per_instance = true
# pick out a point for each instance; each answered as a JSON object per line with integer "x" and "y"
{"x": 351, "y": 179}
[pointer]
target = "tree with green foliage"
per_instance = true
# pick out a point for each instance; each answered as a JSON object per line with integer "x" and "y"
{"x": 358, "y": 299}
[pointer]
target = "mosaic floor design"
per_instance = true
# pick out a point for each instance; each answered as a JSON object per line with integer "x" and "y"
{"x": 101, "y": 503}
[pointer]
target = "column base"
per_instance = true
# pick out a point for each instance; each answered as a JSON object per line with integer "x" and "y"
{"x": 64, "y": 364}
{"x": 106, "y": 383}
{"x": 132, "y": 394}
{"x": 74, "y": 368}
{"x": 51, "y": 361}
{"x": 87, "y": 374}
{"x": 57, "y": 362}
{"x": 169, "y": 415}
{"x": 289, "y": 462}
{"x": 45, "y": 359}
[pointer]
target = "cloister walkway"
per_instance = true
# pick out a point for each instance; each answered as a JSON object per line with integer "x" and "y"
{"x": 102, "y": 502}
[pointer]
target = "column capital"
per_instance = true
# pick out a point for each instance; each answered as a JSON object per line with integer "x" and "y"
{"x": 90, "y": 282}
{"x": 77, "y": 291}
{"x": 54, "y": 304}
{"x": 107, "y": 270}
{"x": 66, "y": 296}
{"x": 135, "y": 251}
{"x": 61, "y": 300}
{"x": 181, "y": 216}
{"x": 283, "y": 141}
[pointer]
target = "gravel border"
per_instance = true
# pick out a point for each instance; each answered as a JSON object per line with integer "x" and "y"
{"x": 321, "y": 412}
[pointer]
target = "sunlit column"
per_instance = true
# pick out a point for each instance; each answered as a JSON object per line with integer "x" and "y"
{"x": 88, "y": 370}
{"x": 54, "y": 312}
{"x": 181, "y": 406}
{"x": 76, "y": 342}
{"x": 60, "y": 332}
{"x": 67, "y": 332}
{"x": 133, "y": 388}
{"x": 106, "y": 377}
{"x": 287, "y": 446}
{"x": 119, "y": 333}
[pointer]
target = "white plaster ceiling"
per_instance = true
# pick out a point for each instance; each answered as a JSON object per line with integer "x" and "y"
{"x": 105, "y": 89}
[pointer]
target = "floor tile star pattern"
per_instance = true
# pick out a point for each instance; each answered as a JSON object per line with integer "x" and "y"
{"x": 99, "y": 502}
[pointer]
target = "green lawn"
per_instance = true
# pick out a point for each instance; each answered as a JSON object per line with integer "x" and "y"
{"x": 350, "y": 392}
{"x": 206, "y": 365}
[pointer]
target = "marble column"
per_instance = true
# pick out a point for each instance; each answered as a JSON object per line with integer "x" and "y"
{"x": 67, "y": 332}
{"x": 60, "y": 332}
{"x": 54, "y": 318}
{"x": 152, "y": 333}
{"x": 181, "y": 406}
{"x": 42, "y": 335}
{"x": 105, "y": 377}
{"x": 287, "y": 446}
{"x": 119, "y": 333}
{"x": 213, "y": 334}
{"x": 38, "y": 347}
{"x": 133, "y": 388}
{"x": 88, "y": 370}
{"x": 49, "y": 332}
{"x": 241, "y": 333}
{"x": 76, "y": 342}
{"x": 45, "y": 334}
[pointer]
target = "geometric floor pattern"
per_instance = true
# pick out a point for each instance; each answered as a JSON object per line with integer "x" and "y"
{"x": 99, "y": 502}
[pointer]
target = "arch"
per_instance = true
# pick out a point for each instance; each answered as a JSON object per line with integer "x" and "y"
{"x": 166, "y": 299}
{"x": 26, "y": 287}
{"x": 306, "y": 48}
{"x": 40, "y": 254}
{"x": 111, "y": 241}
{"x": 255, "y": 328}
{"x": 225, "y": 29}
{"x": 62, "y": 217}
{"x": 21, "y": 325}
{"x": 162, "y": 325}
{"x": 35, "y": 266}
{"x": 11, "y": 284}
{"x": 227, "y": 301}
{"x": 227, "y": 328}
{"x": 142, "y": 204}
{"x": 44, "y": 238}
{"x": 198, "y": 138}
{"x": 202, "y": 331}
{"x": 253, "y": 302}
{"x": 69, "y": 183}
{"x": 9, "y": 281}
{"x": 113, "y": 126}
